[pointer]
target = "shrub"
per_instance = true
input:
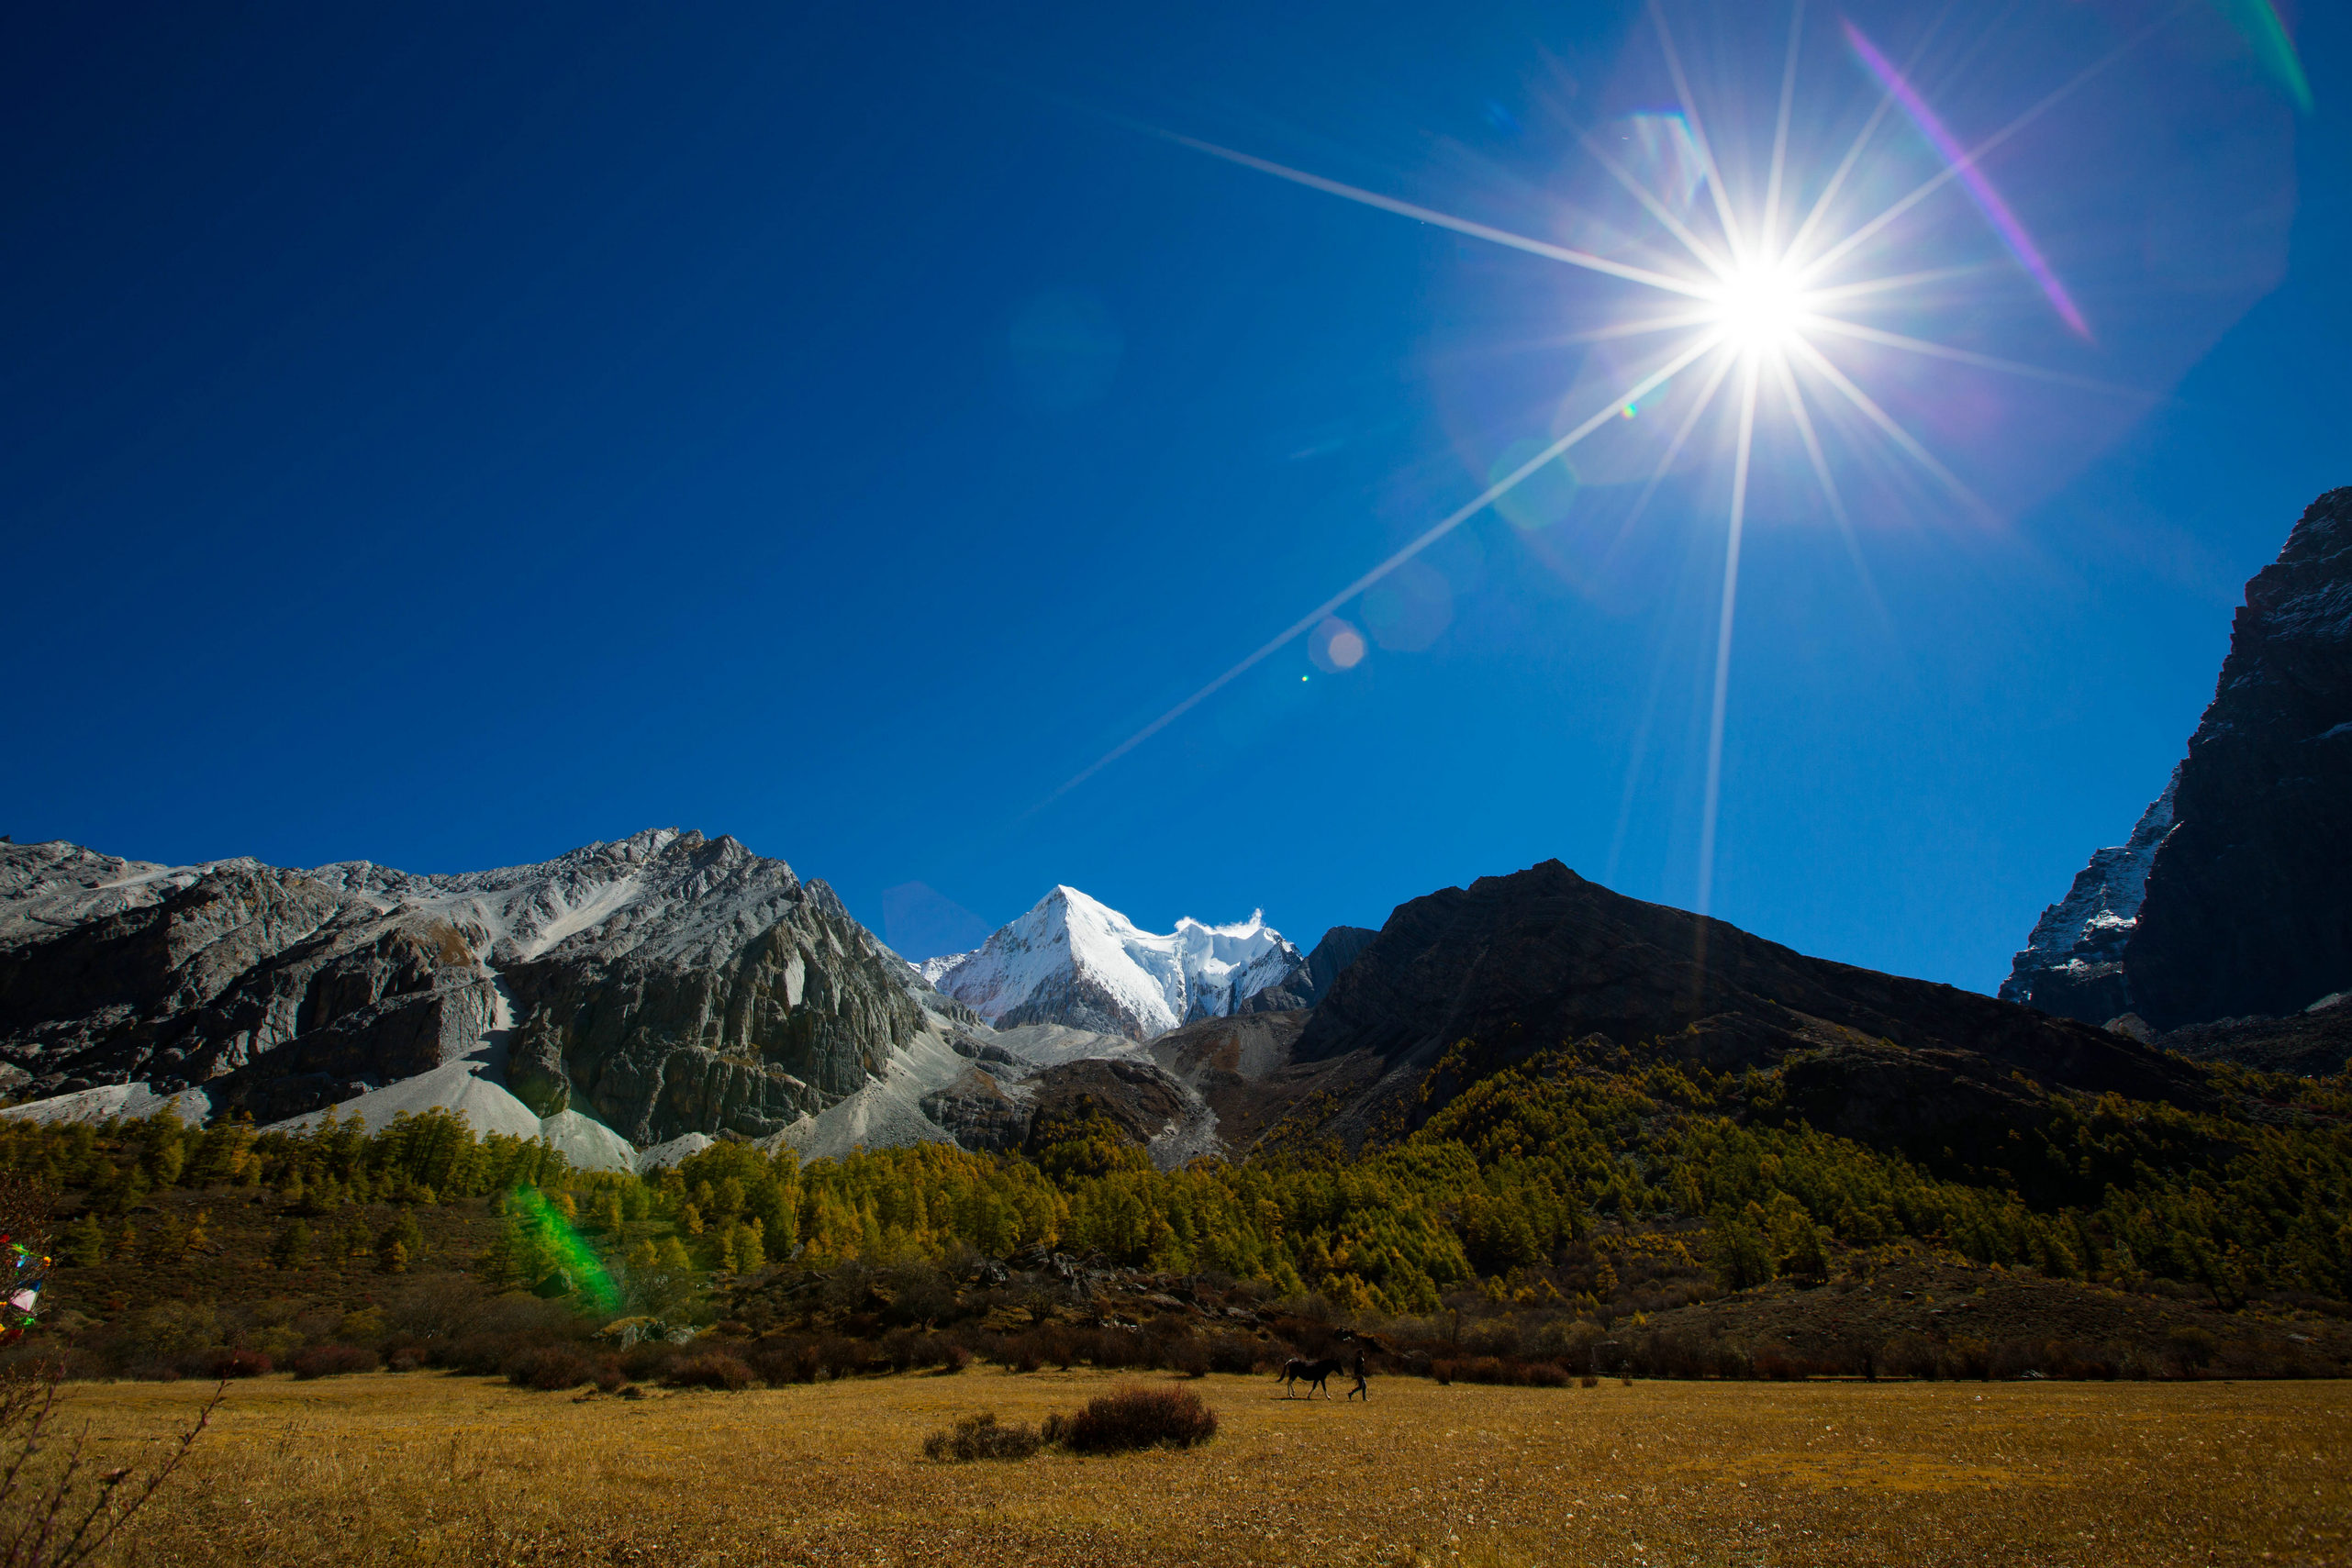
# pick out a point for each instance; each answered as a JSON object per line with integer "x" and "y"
{"x": 649, "y": 1361}
{"x": 405, "y": 1358}
{"x": 549, "y": 1368}
{"x": 227, "y": 1363}
{"x": 331, "y": 1361}
{"x": 712, "y": 1369}
{"x": 953, "y": 1358}
{"x": 1188, "y": 1357}
{"x": 1136, "y": 1418}
{"x": 980, "y": 1437}
{"x": 1496, "y": 1369}
{"x": 777, "y": 1362}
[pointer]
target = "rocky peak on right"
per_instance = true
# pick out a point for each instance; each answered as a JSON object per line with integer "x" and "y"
{"x": 2247, "y": 911}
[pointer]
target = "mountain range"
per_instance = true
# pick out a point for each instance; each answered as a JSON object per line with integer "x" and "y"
{"x": 633, "y": 1001}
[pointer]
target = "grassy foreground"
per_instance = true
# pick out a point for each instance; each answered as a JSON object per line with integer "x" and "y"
{"x": 420, "y": 1468}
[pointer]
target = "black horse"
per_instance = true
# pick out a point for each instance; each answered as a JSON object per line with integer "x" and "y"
{"x": 1312, "y": 1373}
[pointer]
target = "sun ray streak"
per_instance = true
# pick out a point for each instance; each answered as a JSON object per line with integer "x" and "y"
{"x": 1707, "y": 255}
{"x": 1893, "y": 431}
{"x": 1803, "y": 420}
{"x": 1780, "y": 130}
{"x": 1641, "y": 328}
{"x": 1674, "y": 449}
{"x": 1430, "y": 536}
{"x": 1724, "y": 637}
{"x": 1586, "y": 259}
{"x": 1820, "y": 210}
{"x": 1952, "y": 171}
{"x": 1698, "y": 134}
{"x": 1800, "y": 415}
{"x": 1863, "y": 288}
{"x": 1970, "y": 357}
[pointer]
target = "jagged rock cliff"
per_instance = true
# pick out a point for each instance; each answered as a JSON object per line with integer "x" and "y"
{"x": 2249, "y": 901}
{"x": 663, "y": 984}
{"x": 2073, "y": 963}
{"x": 2230, "y": 909}
{"x": 1305, "y": 986}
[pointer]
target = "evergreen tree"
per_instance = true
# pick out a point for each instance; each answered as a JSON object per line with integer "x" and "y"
{"x": 83, "y": 1244}
{"x": 290, "y": 1247}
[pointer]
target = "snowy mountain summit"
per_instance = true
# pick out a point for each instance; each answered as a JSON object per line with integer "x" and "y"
{"x": 1074, "y": 960}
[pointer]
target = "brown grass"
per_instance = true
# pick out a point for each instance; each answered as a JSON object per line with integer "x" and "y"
{"x": 386, "y": 1467}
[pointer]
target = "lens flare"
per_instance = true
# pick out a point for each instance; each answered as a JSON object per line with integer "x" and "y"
{"x": 1767, "y": 257}
{"x": 577, "y": 1261}
{"x": 1972, "y": 178}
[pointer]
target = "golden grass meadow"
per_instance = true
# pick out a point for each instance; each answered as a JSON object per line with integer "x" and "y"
{"x": 417, "y": 1468}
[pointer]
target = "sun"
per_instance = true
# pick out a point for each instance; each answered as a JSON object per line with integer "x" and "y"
{"x": 1747, "y": 280}
{"x": 1760, "y": 309}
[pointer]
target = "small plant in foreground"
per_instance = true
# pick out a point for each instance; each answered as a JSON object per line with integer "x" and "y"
{"x": 982, "y": 1437}
{"x": 67, "y": 1513}
{"x": 1135, "y": 1418}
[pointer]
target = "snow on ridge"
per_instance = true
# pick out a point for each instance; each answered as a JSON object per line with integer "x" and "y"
{"x": 933, "y": 970}
{"x": 1073, "y": 954}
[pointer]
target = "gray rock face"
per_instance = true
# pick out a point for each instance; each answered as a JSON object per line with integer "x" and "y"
{"x": 978, "y": 1114}
{"x": 2073, "y": 963}
{"x": 2233, "y": 900}
{"x": 665, "y": 984}
{"x": 2249, "y": 901}
{"x": 1311, "y": 980}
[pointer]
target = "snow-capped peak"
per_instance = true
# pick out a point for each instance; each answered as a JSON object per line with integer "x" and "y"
{"x": 1073, "y": 959}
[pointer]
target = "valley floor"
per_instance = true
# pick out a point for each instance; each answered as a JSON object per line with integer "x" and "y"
{"x": 416, "y": 1468}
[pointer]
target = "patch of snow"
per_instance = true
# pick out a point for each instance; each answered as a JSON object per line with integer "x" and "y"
{"x": 934, "y": 968}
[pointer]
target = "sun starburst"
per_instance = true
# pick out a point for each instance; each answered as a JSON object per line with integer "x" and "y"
{"x": 1749, "y": 298}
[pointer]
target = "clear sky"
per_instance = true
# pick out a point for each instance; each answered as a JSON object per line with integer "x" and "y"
{"x": 449, "y": 436}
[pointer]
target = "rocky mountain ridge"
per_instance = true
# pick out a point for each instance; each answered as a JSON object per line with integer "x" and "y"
{"x": 637, "y": 991}
{"x": 2232, "y": 902}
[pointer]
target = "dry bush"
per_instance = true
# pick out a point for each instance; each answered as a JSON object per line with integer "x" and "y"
{"x": 1498, "y": 1371}
{"x": 331, "y": 1361}
{"x": 1137, "y": 1418}
{"x": 223, "y": 1364}
{"x": 982, "y": 1437}
{"x": 649, "y": 1361}
{"x": 549, "y": 1368}
{"x": 712, "y": 1369}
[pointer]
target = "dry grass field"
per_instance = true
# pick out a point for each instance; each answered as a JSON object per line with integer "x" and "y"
{"x": 425, "y": 1469}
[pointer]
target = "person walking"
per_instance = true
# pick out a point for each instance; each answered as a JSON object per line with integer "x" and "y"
{"x": 1361, "y": 1386}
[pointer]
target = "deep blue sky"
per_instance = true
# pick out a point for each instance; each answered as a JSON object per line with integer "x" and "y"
{"x": 448, "y": 438}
